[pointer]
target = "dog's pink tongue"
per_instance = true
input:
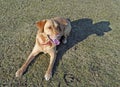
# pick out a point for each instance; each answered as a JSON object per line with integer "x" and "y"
{"x": 57, "y": 42}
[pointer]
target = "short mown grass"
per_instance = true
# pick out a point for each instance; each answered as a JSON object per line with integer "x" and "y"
{"x": 91, "y": 58}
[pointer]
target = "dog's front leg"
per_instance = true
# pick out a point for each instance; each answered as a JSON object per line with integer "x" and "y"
{"x": 52, "y": 54}
{"x": 34, "y": 52}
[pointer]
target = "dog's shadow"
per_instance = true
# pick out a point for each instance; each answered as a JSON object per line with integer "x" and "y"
{"x": 81, "y": 29}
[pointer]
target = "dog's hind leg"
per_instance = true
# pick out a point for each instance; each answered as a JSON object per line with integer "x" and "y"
{"x": 66, "y": 33}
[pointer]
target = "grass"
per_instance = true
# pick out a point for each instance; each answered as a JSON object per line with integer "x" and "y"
{"x": 91, "y": 57}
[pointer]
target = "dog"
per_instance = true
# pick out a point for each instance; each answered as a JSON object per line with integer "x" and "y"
{"x": 48, "y": 37}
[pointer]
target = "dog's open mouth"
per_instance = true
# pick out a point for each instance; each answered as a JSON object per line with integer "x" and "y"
{"x": 55, "y": 41}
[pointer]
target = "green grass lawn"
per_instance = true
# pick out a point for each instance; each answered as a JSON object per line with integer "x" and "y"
{"x": 91, "y": 58}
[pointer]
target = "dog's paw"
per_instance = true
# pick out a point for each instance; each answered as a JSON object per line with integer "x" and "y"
{"x": 19, "y": 73}
{"x": 64, "y": 41}
{"x": 48, "y": 76}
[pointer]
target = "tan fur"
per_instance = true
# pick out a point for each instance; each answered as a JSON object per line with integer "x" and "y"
{"x": 44, "y": 44}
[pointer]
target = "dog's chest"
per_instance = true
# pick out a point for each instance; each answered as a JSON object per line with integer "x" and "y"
{"x": 47, "y": 47}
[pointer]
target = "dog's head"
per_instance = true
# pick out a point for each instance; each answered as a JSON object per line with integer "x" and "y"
{"x": 52, "y": 28}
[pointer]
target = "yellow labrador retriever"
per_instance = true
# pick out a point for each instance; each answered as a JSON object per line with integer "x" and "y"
{"x": 48, "y": 37}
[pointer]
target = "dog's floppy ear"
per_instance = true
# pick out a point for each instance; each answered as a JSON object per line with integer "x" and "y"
{"x": 40, "y": 25}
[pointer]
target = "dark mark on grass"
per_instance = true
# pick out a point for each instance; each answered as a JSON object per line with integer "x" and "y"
{"x": 70, "y": 78}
